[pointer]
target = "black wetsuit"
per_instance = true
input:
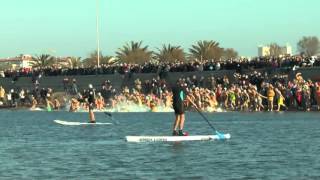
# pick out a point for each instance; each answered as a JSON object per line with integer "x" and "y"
{"x": 178, "y": 98}
{"x": 91, "y": 98}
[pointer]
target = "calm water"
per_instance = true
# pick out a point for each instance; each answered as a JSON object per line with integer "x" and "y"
{"x": 263, "y": 146}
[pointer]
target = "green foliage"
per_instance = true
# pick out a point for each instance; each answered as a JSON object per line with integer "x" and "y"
{"x": 170, "y": 54}
{"x": 309, "y": 46}
{"x": 74, "y": 62}
{"x": 206, "y": 50}
{"x": 133, "y": 52}
{"x": 42, "y": 61}
{"x": 92, "y": 60}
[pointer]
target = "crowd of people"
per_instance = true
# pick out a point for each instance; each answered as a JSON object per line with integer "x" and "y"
{"x": 253, "y": 92}
{"x": 248, "y": 92}
{"x": 162, "y": 67}
{"x": 17, "y": 98}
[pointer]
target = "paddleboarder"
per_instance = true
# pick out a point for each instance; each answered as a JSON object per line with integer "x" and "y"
{"x": 179, "y": 96}
{"x": 91, "y": 102}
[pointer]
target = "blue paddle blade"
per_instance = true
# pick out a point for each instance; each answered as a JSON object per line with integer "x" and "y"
{"x": 220, "y": 136}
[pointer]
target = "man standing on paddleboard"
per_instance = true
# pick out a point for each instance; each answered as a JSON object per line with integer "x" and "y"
{"x": 179, "y": 96}
{"x": 91, "y": 101}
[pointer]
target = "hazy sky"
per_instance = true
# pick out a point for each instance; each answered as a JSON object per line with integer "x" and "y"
{"x": 68, "y": 27}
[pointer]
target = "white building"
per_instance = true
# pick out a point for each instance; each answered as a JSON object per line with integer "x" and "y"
{"x": 23, "y": 61}
{"x": 265, "y": 50}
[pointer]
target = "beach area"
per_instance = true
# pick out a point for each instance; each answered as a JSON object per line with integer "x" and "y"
{"x": 249, "y": 91}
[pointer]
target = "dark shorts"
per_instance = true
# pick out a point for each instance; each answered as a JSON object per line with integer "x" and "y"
{"x": 91, "y": 106}
{"x": 178, "y": 109}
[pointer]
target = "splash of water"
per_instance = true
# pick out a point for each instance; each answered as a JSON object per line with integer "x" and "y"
{"x": 127, "y": 106}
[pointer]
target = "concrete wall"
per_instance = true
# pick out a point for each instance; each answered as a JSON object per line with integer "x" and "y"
{"x": 308, "y": 73}
{"x": 118, "y": 80}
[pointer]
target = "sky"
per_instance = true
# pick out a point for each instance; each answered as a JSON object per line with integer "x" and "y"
{"x": 68, "y": 27}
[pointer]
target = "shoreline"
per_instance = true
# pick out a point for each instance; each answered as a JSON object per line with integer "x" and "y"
{"x": 144, "y": 110}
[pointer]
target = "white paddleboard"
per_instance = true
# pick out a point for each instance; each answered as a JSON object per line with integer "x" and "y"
{"x": 176, "y": 138}
{"x": 36, "y": 109}
{"x": 68, "y": 123}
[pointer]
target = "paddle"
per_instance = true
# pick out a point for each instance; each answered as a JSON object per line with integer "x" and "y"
{"x": 108, "y": 114}
{"x": 220, "y": 135}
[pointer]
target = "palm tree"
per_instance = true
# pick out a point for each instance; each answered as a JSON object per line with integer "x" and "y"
{"x": 170, "y": 53}
{"x": 206, "y": 50}
{"x": 42, "y": 61}
{"x": 74, "y": 62}
{"x": 108, "y": 60}
{"x": 133, "y": 52}
{"x": 92, "y": 59}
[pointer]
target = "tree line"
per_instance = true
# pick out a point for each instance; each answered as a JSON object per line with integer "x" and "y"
{"x": 136, "y": 52}
{"x": 307, "y": 46}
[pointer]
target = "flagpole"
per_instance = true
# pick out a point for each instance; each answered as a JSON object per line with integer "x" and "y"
{"x": 98, "y": 36}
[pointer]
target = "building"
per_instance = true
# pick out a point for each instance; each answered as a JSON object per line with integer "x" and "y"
{"x": 265, "y": 50}
{"x": 286, "y": 50}
{"x": 23, "y": 61}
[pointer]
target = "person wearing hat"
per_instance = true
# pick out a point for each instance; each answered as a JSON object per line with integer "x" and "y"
{"x": 91, "y": 102}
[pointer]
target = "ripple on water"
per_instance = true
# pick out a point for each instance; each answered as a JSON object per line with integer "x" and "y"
{"x": 263, "y": 146}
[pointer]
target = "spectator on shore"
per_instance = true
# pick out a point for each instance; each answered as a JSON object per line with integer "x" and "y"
{"x": 317, "y": 94}
{"x": 280, "y": 99}
{"x": 270, "y": 95}
{"x": 162, "y": 68}
{"x": 244, "y": 92}
{"x": 56, "y": 104}
{"x": 2, "y": 94}
{"x": 74, "y": 87}
{"x": 34, "y": 102}
{"x": 65, "y": 83}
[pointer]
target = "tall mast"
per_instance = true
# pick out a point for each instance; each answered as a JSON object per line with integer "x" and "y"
{"x": 98, "y": 36}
